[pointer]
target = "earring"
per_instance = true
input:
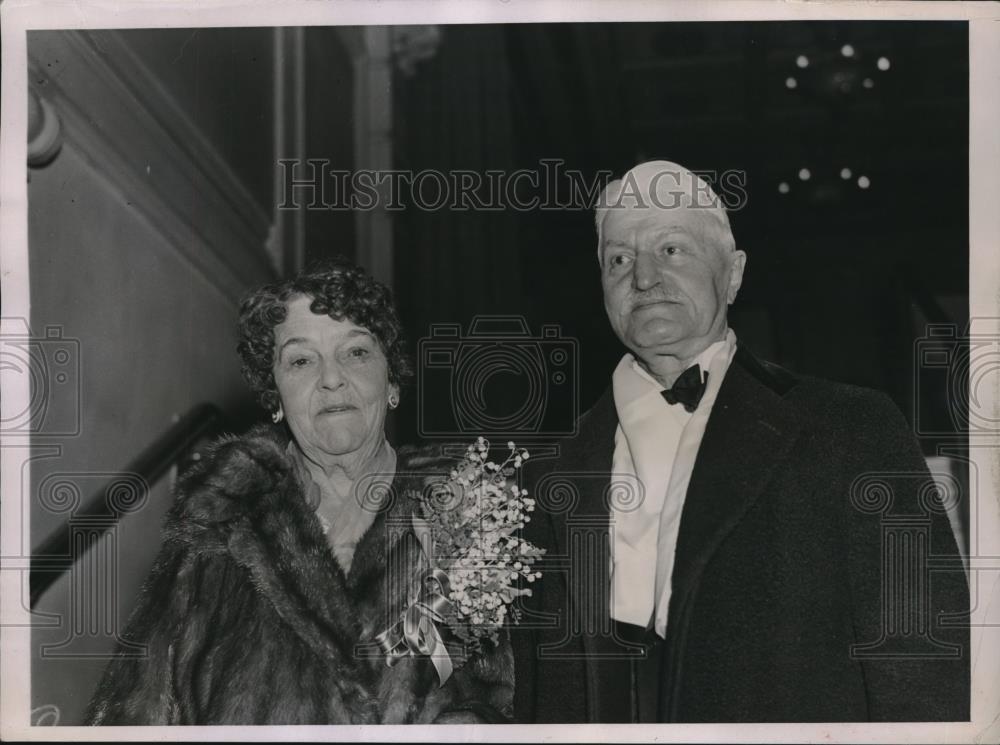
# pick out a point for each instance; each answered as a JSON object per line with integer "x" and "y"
{"x": 393, "y": 401}
{"x": 277, "y": 416}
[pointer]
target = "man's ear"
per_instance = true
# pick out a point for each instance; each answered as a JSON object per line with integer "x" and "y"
{"x": 737, "y": 265}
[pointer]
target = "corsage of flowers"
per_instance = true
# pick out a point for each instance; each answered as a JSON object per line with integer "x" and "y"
{"x": 468, "y": 527}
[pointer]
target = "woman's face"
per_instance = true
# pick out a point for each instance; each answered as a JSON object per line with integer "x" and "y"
{"x": 333, "y": 382}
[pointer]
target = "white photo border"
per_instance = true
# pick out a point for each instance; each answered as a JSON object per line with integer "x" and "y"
{"x": 20, "y": 16}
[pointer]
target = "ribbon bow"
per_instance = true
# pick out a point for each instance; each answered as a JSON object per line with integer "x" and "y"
{"x": 687, "y": 389}
{"x": 416, "y": 633}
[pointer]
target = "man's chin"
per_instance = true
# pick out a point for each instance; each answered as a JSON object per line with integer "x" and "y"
{"x": 664, "y": 339}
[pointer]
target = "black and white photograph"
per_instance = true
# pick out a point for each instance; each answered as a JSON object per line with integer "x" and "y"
{"x": 497, "y": 371}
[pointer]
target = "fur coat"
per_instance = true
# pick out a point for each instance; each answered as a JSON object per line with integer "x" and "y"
{"x": 248, "y": 618}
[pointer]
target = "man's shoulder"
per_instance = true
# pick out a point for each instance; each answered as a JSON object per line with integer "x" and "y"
{"x": 824, "y": 401}
{"x": 588, "y": 448}
{"x": 836, "y": 398}
{"x": 809, "y": 395}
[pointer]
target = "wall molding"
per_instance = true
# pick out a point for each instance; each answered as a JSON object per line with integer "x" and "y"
{"x": 123, "y": 122}
{"x": 370, "y": 50}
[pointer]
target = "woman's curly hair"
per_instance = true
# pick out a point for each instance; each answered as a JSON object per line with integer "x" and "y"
{"x": 339, "y": 289}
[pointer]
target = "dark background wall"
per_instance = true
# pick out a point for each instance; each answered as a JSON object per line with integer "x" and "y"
{"x": 841, "y": 280}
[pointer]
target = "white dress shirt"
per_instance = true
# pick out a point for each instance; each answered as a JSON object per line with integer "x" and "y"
{"x": 656, "y": 444}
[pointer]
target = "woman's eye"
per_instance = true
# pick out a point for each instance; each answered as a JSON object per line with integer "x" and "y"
{"x": 359, "y": 352}
{"x": 299, "y": 361}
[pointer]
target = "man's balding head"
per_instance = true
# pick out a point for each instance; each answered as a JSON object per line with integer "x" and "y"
{"x": 666, "y": 186}
{"x": 669, "y": 264}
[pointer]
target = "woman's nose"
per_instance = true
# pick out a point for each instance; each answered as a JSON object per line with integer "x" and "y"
{"x": 331, "y": 376}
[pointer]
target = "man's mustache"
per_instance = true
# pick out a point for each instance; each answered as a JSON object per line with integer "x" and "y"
{"x": 638, "y": 301}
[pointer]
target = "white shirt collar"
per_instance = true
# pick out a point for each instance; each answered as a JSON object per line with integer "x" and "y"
{"x": 631, "y": 382}
{"x": 656, "y": 446}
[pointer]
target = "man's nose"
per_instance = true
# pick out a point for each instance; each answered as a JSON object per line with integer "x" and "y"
{"x": 330, "y": 374}
{"x": 645, "y": 276}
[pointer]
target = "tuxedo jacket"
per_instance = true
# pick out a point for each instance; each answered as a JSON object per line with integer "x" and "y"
{"x": 816, "y": 577}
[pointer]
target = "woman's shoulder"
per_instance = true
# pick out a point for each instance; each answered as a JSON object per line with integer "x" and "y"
{"x": 235, "y": 476}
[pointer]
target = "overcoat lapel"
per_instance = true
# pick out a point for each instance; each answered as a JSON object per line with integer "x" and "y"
{"x": 749, "y": 433}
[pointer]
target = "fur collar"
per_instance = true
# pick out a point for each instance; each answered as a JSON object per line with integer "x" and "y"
{"x": 245, "y": 498}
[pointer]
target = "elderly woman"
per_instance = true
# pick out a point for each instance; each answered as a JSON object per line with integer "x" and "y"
{"x": 280, "y": 564}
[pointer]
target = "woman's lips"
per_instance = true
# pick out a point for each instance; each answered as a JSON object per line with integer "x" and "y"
{"x": 338, "y": 409}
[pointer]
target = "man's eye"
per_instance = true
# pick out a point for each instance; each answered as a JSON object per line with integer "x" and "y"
{"x": 299, "y": 361}
{"x": 360, "y": 352}
{"x": 620, "y": 260}
{"x": 671, "y": 249}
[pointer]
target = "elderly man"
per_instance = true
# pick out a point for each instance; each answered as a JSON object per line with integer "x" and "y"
{"x": 729, "y": 541}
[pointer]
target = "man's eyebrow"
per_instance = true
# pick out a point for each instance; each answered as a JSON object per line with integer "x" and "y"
{"x": 360, "y": 332}
{"x": 669, "y": 232}
{"x": 614, "y": 242}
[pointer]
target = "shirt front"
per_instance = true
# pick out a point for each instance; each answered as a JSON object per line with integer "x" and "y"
{"x": 656, "y": 445}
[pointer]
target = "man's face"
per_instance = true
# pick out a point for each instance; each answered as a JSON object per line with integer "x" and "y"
{"x": 667, "y": 282}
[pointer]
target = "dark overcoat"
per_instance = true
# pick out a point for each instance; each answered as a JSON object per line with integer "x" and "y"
{"x": 816, "y": 577}
{"x": 248, "y": 618}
